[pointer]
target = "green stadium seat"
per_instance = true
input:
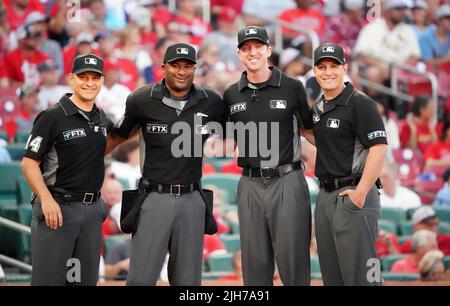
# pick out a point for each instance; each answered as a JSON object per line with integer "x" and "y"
{"x": 446, "y": 261}
{"x": 444, "y": 227}
{"x": 388, "y": 261}
{"x": 442, "y": 212}
{"x": 213, "y": 275}
{"x": 406, "y": 228}
{"x": 22, "y": 137}
{"x": 109, "y": 241}
{"x": 388, "y": 226}
{"x": 9, "y": 173}
{"x": 400, "y": 277}
{"x": 221, "y": 263}
{"x": 409, "y": 213}
{"x": 232, "y": 242}
{"x": 403, "y": 239}
{"x": 395, "y": 215}
{"x": 227, "y": 182}
{"x": 25, "y": 215}
{"x": 3, "y": 135}
{"x": 234, "y": 227}
{"x": 124, "y": 182}
{"x": 218, "y": 162}
{"x": 23, "y": 190}
{"x": 9, "y": 239}
{"x": 315, "y": 266}
{"x": 16, "y": 150}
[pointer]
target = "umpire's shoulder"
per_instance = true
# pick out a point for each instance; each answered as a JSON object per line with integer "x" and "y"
{"x": 232, "y": 89}
{"x": 212, "y": 94}
{"x": 141, "y": 94}
{"x": 359, "y": 98}
{"x": 50, "y": 114}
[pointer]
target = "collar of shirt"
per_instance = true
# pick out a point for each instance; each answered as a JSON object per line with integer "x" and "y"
{"x": 159, "y": 91}
{"x": 70, "y": 108}
{"x": 274, "y": 80}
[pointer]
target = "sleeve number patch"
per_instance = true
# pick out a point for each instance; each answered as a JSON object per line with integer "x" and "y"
{"x": 35, "y": 144}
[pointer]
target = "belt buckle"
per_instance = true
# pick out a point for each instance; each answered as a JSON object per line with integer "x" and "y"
{"x": 175, "y": 193}
{"x": 261, "y": 170}
{"x": 88, "y": 198}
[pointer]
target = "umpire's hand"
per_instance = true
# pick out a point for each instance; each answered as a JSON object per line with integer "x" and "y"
{"x": 52, "y": 213}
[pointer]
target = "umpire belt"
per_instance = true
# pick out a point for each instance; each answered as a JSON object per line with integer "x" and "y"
{"x": 267, "y": 173}
{"x": 335, "y": 184}
{"x": 83, "y": 197}
{"x": 177, "y": 190}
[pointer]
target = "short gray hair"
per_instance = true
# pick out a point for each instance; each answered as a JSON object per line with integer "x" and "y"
{"x": 422, "y": 238}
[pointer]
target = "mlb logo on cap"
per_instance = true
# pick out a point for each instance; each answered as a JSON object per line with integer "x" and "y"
{"x": 90, "y": 61}
{"x": 251, "y": 31}
{"x": 328, "y": 49}
{"x": 182, "y": 51}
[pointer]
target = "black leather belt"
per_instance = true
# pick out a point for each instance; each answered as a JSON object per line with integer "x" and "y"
{"x": 271, "y": 172}
{"x": 172, "y": 189}
{"x": 335, "y": 184}
{"x": 83, "y": 197}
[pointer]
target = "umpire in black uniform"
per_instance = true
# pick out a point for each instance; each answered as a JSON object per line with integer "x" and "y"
{"x": 172, "y": 217}
{"x": 268, "y": 109}
{"x": 64, "y": 166}
{"x": 351, "y": 147}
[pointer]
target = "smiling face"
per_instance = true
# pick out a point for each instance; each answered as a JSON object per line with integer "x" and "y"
{"x": 254, "y": 55}
{"x": 330, "y": 75}
{"x": 86, "y": 85}
{"x": 179, "y": 76}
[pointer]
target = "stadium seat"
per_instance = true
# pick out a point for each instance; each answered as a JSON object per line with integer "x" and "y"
{"x": 403, "y": 239}
{"x": 22, "y": 136}
{"x": 406, "y": 228}
{"x": 409, "y": 213}
{"x": 221, "y": 263}
{"x": 444, "y": 228}
{"x": 388, "y": 261}
{"x": 16, "y": 151}
{"x": 235, "y": 227}
{"x": 3, "y": 135}
{"x": 25, "y": 214}
{"x": 446, "y": 261}
{"x": 428, "y": 187}
{"x": 109, "y": 241}
{"x": 395, "y": 215}
{"x": 218, "y": 162}
{"x": 9, "y": 172}
{"x": 315, "y": 266}
{"x": 442, "y": 212}
{"x": 23, "y": 190}
{"x": 232, "y": 242}
{"x": 409, "y": 165}
{"x": 400, "y": 277}
{"x": 228, "y": 182}
{"x": 388, "y": 226}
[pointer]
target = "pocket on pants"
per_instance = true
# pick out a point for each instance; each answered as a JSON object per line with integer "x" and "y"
{"x": 347, "y": 203}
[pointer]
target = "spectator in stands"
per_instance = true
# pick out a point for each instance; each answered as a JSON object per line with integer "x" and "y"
{"x": 431, "y": 267}
{"x": 18, "y": 10}
{"x": 117, "y": 260}
{"x": 5, "y": 157}
{"x": 155, "y": 73}
{"x": 112, "y": 196}
{"x": 438, "y": 153}
{"x": 50, "y": 91}
{"x": 187, "y": 17}
{"x": 419, "y": 16}
{"x": 160, "y": 16}
{"x": 225, "y": 36}
{"x": 423, "y": 241}
{"x": 390, "y": 125}
{"x": 425, "y": 218}
{"x": 212, "y": 245}
{"x": 113, "y": 95}
{"x": 260, "y": 12}
{"x": 393, "y": 194}
{"x": 306, "y": 17}
{"x": 387, "y": 38}
{"x": 292, "y": 65}
{"x": 421, "y": 128}
{"x": 83, "y": 44}
{"x": 344, "y": 28}
{"x": 435, "y": 40}
{"x": 4, "y": 31}
{"x": 386, "y": 244}
{"x": 21, "y": 64}
{"x": 38, "y": 22}
{"x": 23, "y": 120}
{"x": 127, "y": 164}
{"x": 237, "y": 266}
{"x": 443, "y": 195}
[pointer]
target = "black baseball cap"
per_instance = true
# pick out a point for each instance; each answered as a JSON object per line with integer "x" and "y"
{"x": 87, "y": 62}
{"x": 329, "y": 50}
{"x": 180, "y": 51}
{"x": 253, "y": 33}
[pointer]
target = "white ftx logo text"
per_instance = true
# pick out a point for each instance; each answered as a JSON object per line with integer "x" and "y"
{"x": 90, "y": 61}
{"x": 157, "y": 128}
{"x": 182, "y": 51}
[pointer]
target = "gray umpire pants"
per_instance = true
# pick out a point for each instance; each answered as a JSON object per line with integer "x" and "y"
{"x": 275, "y": 225}
{"x": 346, "y": 237}
{"x": 69, "y": 255}
{"x": 173, "y": 224}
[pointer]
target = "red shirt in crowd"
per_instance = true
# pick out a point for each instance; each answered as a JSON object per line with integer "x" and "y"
{"x": 21, "y": 67}
{"x": 423, "y": 135}
{"x": 236, "y": 5}
{"x": 443, "y": 245}
{"x": 14, "y": 19}
{"x": 212, "y": 243}
{"x": 310, "y": 19}
{"x": 405, "y": 265}
{"x": 438, "y": 150}
{"x": 382, "y": 248}
{"x": 197, "y": 27}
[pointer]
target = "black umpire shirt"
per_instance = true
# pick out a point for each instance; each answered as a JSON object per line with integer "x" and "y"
{"x": 149, "y": 109}
{"x": 344, "y": 129}
{"x": 71, "y": 144}
{"x": 280, "y": 100}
